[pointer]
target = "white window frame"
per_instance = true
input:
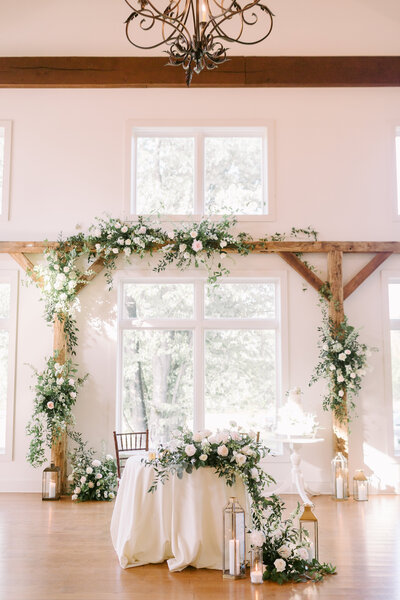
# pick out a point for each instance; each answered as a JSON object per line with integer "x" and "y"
{"x": 199, "y": 326}
{"x": 199, "y": 130}
{"x": 10, "y": 324}
{"x": 5, "y": 203}
{"x": 389, "y": 324}
{"x": 397, "y": 171}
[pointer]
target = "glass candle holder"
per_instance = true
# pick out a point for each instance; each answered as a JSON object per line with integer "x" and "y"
{"x": 360, "y": 486}
{"x": 340, "y": 477}
{"x": 309, "y": 530}
{"x": 256, "y": 565}
{"x": 51, "y": 483}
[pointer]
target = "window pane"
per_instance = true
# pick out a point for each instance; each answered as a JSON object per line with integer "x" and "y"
{"x": 164, "y": 175}
{"x": 158, "y": 301}
{"x": 240, "y": 301}
{"x": 240, "y": 369}
{"x": 5, "y": 291}
{"x": 157, "y": 382}
{"x": 233, "y": 175}
{"x": 395, "y": 353}
{"x": 2, "y": 137}
{"x": 3, "y": 388}
{"x": 394, "y": 300}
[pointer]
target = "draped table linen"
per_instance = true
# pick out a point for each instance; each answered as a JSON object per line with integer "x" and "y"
{"x": 180, "y": 522}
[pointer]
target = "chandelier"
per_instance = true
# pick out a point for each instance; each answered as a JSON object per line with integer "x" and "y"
{"x": 195, "y": 31}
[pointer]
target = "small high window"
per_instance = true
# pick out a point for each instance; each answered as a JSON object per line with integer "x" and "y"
{"x": 5, "y": 150}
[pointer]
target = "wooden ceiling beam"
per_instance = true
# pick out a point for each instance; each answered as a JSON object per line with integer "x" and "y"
{"x": 238, "y": 71}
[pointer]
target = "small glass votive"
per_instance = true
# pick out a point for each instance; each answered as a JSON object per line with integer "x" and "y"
{"x": 256, "y": 565}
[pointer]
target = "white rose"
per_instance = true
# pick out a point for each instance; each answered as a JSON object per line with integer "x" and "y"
{"x": 348, "y": 352}
{"x": 182, "y": 247}
{"x": 109, "y": 457}
{"x": 342, "y": 356}
{"x": 325, "y": 347}
{"x": 70, "y": 477}
{"x": 74, "y": 497}
{"x": 111, "y": 495}
{"x": 97, "y": 233}
{"x": 105, "y": 494}
{"x": 280, "y": 565}
{"x": 240, "y": 459}
{"x": 302, "y": 553}
{"x": 255, "y": 474}
{"x": 71, "y": 381}
{"x": 332, "y": 368}
{"x": 284, "y": 551}
{"x": 115, "y": 250}
{"x": 223, "y": 450}
{"x": 66, "y": 269}
{"x": 142, "y": 230}
{"x": 98, "y": 475}
{"x": 223, "y": 243}
{"x": 213, "y": 439}
{"x": 170, "y": 235}
{"x": 341, "y": 393}
{"x": 96, "y": 463}
{"x": 340, "y": 378}
{"x": 89, "y": 470}
{"x": 60, "y": 380}
{"x": 72, "y": 394}
{"x": 190, "y": 450}
{"x": 198, "y": 436}
{"x": 71, "y": 284}
{"x": 193, "y": 234}
{"x": 353, "y": 375}
{"x": 206, "y": 432}
{"x": 203, "y": 457}
{"x": 56, "y": 267}
{"x": 83, "y": 479}
{"x": 121, "y": 241}
{"x": 63, "y": 296}
{"x": 235, "y": 435}
{"x": 257, "y": 538}
{"x": 91, "y": 484}
{"x": 98, "y": 247}
{"x": 77, "y": 490}
{"x": 124, "y": 229}
{"x": 117, "y": 225}
{"x": 173, "y": 445}
{"x": 128, "y": 242}
{"x": 186, "y": 255}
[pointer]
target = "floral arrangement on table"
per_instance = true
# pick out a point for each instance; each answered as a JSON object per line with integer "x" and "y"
{"x": 91, "y": 478}
{"x": 234, "y": 453}
{"x": 286, "y": 556}
{"x": 342, "y": 363}
{"x": 56, "y": 391}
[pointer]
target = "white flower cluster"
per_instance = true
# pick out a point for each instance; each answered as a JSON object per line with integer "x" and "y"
{"x": 92, "y": 479}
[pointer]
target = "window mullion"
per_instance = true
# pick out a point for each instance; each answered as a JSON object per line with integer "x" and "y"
{"x": 199, "y": 207}
{"x": 198, "y": 412}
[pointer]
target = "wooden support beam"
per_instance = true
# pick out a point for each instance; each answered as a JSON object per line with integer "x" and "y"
{"x": 95, "y": 268}
{"x": 336, "y": 314}
{"x": 27, "y": 265}
{"x": 302, "y": 269}
{"x": 257, "y": 246}
{"x": 59, "y": 445}
{"x": 365, "y": 272}
{"x": 238, "y": 71}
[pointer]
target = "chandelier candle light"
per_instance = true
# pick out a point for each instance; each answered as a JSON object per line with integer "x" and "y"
{"x": 194, "y": 31}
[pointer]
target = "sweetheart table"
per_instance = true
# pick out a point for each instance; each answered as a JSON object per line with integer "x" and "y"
{"x": 180, "y": 522}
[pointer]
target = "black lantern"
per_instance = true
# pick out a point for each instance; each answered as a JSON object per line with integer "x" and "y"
{"x": 51, "y": 483}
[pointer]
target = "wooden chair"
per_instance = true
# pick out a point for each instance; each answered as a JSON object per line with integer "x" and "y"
{"x": 126, "y": 443}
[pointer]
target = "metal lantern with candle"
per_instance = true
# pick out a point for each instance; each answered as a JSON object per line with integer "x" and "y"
{"x": 340, "y": 477}
{"x": 309, "y": 530}
{"x": 51, "y": 483}
{"x": 234, "y": 541}
{"x": 360, "y": 486}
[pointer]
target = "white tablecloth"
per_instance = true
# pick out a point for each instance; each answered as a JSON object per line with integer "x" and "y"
{"x": 180, "y": 522}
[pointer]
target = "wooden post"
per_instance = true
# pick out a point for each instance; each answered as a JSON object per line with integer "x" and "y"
{"x": 336, "y": 314}
{"x": 59, "y": 446}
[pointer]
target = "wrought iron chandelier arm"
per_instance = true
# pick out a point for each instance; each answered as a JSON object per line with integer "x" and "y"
{"x": 214, "y": 25}
{"x": 178, "y": 24}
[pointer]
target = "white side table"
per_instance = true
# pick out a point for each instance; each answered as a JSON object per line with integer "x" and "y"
{"x": 296, "y": 475}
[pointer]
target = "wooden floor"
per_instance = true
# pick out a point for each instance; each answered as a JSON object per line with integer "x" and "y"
{"x": 62, "y": 550}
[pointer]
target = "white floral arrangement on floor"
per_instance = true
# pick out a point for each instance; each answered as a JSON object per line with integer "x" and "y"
{"x": 91, "y": 478}
{"x": 286, "y": 556}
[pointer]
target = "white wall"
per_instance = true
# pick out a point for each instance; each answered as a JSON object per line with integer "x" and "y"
{"x": 334, "y": 169}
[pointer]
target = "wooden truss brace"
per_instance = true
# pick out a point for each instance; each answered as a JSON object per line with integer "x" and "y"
{"x": 286, "y": 250}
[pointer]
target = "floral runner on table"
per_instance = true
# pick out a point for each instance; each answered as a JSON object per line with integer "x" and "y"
{"x": 234, "y": 453}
